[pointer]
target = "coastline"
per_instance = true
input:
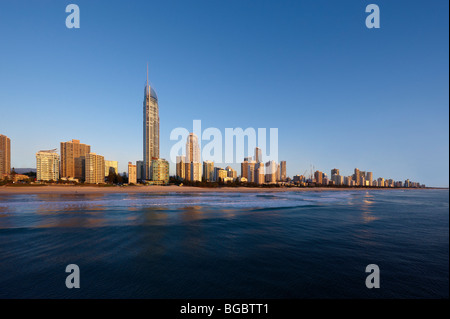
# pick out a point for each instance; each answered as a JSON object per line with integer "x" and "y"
{"x": 71, "y": 189}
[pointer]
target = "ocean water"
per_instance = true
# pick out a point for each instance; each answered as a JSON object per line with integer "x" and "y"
{"x": 226, "y": 245}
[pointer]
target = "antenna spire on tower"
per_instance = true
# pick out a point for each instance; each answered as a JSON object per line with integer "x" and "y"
{"x": 147, "y": 73}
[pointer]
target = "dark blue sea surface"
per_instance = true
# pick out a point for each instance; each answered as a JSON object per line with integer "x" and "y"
{"x": 226, "y": 245}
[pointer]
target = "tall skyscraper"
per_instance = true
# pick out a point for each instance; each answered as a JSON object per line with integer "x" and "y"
{"x": 151, "y": 128}
{"x": 95, "y": 169}
{"x": 47, "y": 165}
{"x": 5, "y": 156}
{"x": 72, "y": 159}
{"x": 258, "y": 155}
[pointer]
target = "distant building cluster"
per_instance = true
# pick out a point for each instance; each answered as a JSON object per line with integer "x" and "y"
{"x": 253, "y": 170}
{"x": 357, "y": 179}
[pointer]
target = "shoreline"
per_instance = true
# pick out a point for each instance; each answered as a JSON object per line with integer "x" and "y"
{"x": 71, "y": 189}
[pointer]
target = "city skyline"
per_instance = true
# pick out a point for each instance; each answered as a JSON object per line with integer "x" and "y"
{"x": 396, "y": 126}
{"x": 79, "y": 163}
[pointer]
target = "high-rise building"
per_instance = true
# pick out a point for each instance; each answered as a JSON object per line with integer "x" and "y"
{"x": 80, "y": 167}
{"x": 208, "y": 171}
{"x": 181, "y": 167}
{"x": 193, "y": 167}
{"x": 260, "y": 176}
{"x": 72, "y": 159}
{"x": 47, "y": 165}
{"x": 244, "y": 169}
{"x": 283, "y": 171}
{"x": 369, "y": 178}
{"x": 221, "y": 174}
{"x": 111, "y": 166}
{"x": 132, "y": 173}
{"x": 95, "y": 169}
{"x": 251, "y": 171}
{"x": 348, "y": 180}
{"x": 140, "y": 170}
{"x": 362, "y": 180}
{"x": 338, "y": 179}
{"x": 194, "y": 171}
{"x": 318, "y": 177}
{"x": 258, "y": 155}
{"x": 160, "y": 171}
{"x": 380, "y": 182}
{"x": 151, "y": 127}
{"x": 356, "y": 176}
{"x": 334, "y": 171}
{"x": 5, "y": 156}
{"x": 271, "y": 172}
{"x": 231, "y": 173}
{"x": 192, "y": 149}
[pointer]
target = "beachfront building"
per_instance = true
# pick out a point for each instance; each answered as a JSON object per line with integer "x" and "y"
{"x": 221, "y": 174}
{"x": 140, "y": 170}
{"x": 259, "y": 173}
{"x": 283, "y": 171}
{"x": 47, "y": 165}
{"x": 208, "y": 171}
{"x": 111, "y": 166}
{"x": 73, "y": 156}
{"x": 181, "y": 167}
{"x": 160, "y": 171}
{"x": 318, "y": 177}
{"x": 151, "y": 128}
{"x": 193, "y": 167}
{"x": 231, "y": 173}
{"x": 271, "y": 172}
{"x": 95, "y": 169}
{"x": 5, "y": 156}
{"x": 132, "y": 173}
{"x": 369, "y": 178}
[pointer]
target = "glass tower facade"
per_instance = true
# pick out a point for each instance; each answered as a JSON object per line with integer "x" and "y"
{"x": 151, "y": 129}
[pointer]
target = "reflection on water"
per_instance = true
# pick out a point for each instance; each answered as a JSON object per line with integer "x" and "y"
{"x": 218, "y": 245}
{"x": 102, "y": 210}
{"x": 366, "y": 206}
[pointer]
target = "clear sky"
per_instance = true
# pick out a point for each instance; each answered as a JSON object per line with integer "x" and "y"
{"x": 340, "y": 94}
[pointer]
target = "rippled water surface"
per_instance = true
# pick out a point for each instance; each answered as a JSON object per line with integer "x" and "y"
{"x": 226, "y": 245}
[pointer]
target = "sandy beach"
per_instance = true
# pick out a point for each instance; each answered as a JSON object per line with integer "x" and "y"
{"x": 70, "y": 189}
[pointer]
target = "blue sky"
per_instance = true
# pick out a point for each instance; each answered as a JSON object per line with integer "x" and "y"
{"x": 340, "y": 94}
